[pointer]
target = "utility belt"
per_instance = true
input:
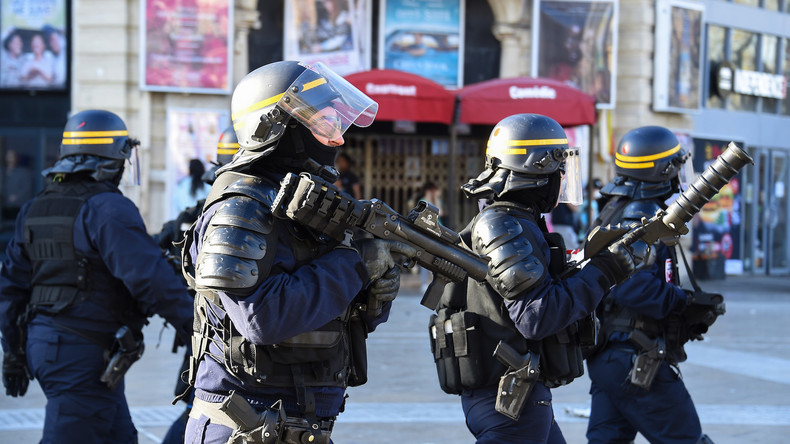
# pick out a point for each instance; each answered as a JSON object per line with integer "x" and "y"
{"x": 271, "y": 426}
{"x": 462, "y": 351}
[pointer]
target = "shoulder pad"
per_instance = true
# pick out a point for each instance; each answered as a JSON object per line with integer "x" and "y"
{"x": 514, "y": 265}
{"x": 238, "y": 246}
{"x": 232, "y": 183}
{"x": 636, "y": 210}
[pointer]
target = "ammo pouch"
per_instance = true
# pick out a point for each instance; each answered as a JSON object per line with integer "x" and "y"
{"x": 561, "y": 358}
{"x": 456, "y": 344}
{"x": 357, "y": 335}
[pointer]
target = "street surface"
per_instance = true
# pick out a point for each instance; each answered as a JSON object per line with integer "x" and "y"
{"x": 739, "y": 378}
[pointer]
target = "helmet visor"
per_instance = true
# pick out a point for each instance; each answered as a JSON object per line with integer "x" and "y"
{"x": 326, "y": 103}
{"x": 131, "y": 169}
{"x": 571, "y": 186}
{"x": 685, "y": 175}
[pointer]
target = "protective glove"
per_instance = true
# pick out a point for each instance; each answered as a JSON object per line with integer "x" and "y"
{"x": 377, "y": 255}
{"x": 617, "y": 262}
{"x": 386, "y": 287}
{"x": 16, "y": 375}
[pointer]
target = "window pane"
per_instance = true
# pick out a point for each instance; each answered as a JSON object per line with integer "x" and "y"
{"x": 748, "y": 2}
{"x": 768, "y": 55}
{"x": 772, "y": 5}
{"x": 744, "y": 56}
{"x": 786, "y": 72}
{"x": 716, "y": 35}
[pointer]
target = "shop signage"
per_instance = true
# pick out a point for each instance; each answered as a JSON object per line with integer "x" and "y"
{"x": 760, "y": 84}
{"x": 534, "y": 92}
{"x": 391, "y": 89}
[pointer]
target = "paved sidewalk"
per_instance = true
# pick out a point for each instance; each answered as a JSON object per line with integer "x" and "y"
{"x": 739, "y": 378}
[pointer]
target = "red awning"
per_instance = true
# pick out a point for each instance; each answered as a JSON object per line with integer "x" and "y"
{"x": 486, "y": 103}
{"x": 405, "y": 96}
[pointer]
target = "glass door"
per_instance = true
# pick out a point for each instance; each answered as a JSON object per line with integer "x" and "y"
{"x": 777, "y": 215}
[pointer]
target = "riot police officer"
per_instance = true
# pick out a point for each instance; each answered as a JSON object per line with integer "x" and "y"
{"x": 80, "y": 268}
{"x": 168, "y": 240}
{"x": 635, "y": 387}
{"x": 526, "y": 311}
{"x": 279, "y": 336}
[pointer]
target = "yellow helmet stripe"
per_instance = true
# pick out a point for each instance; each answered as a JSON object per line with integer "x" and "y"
{"x": 256, "y": 106}
{"x": 95, "y": 133}
{"x": 501, "y": 147}
{"x": 661, "y": 155}
{"x": 227, "y": 150}
{"x": 633, "y": 166}
{"x": 228, "y": 145}
{"x": 313, "y": 84}
{"x": 99, "y": 141}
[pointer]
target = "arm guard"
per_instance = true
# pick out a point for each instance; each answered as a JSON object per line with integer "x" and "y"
{"x": 514, "y": 265}
{"x": 238, "y": 248}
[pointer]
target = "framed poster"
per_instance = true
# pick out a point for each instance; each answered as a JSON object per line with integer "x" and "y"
{"x": 423, "y": 37}
{"x": 335, "y": 32}
{"x": 191, "y": 134}
{"x": 576, "y": 42}
{"x": 186, "y": 46}
{"x": 677, "y": 66}
{"x": 33, "y": 55}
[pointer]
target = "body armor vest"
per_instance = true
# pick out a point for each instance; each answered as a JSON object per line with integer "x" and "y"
{"x": 473, "y": 319}
{"x": 312, "y": 359}
{"x": 61, "y": 276}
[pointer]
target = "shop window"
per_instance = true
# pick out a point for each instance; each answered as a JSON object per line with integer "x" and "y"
{"x": 754, "y": 3}
{"x": 786, "y": 72}
{"x": 769, "y": 56}
{"x": 716, "y": 44}
{"x": 744, "y": 56}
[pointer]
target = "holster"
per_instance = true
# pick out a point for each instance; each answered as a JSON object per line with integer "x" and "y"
{"x": 125, "y": 351}
{"x": 517, "y": 383}
{"x": 647, "y": 361}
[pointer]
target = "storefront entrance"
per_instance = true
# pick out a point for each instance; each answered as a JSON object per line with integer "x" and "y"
{"x": 767, "y": 213}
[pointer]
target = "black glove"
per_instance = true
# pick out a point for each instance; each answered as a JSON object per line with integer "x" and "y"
{"x": 16, "y": 375}
{"x": 617, "y": 262}
{"x": 386, "y": 287}
{"x": 377, "y": 254}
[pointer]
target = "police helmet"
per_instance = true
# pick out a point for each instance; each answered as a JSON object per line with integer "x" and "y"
{"x": 529, "y": 151}
{"x": 227, "y": 146}
{"x": 278, "y": 95}
{"x": 650, "y": 154}
{"x": 98, "y": 133}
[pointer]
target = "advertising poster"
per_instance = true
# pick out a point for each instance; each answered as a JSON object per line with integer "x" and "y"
{"x": 423, "y": 37}
{"x": 677, "y": 82}
{"x": 717, "y": 228}
{"x": 33, "y": 55}
{"x": 185, "y": 46}
{"x": 191, "y": 134}
{"x": 576, "y": 42}
{"x": 335, "y": 32}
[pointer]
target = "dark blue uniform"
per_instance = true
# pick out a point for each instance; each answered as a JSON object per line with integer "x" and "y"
{"x": 545, "y": 308}
{"x": 665, "y": 413}
{"x": 293, "y": 299}
{"x": 81, "y": 409}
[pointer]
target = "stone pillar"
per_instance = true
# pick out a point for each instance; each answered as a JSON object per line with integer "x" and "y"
{"x": 245, "y": 18}
{"x": 512, "y": 28}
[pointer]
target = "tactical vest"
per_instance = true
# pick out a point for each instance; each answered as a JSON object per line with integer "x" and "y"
{"x": 473, "y": 319}
{"x": 318, "y": 358}
{"x": 61, "y": 275}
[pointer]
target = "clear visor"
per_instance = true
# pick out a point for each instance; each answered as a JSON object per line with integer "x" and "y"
{"x": 685, "y": 175}
{"x": 131, "y": 170}
{"x": 571, "y": 186}
{"x": 326, "y": 103}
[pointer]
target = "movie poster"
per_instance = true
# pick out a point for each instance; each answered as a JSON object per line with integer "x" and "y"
{"x": 191, "y": 134}
{"x": 423, "y": 37}
{"x": 677, "y": 81}
{"x": 717, "y": 227}
{"x": 33, "y": 55}
{"x": 576, "y": 42}
{"x": 185, "y": 46}
{"x": 335, "y": 32}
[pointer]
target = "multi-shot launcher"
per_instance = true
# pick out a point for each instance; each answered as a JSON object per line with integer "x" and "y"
{"x": 672, "y": 221}
{"x": 318, "y": 204}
